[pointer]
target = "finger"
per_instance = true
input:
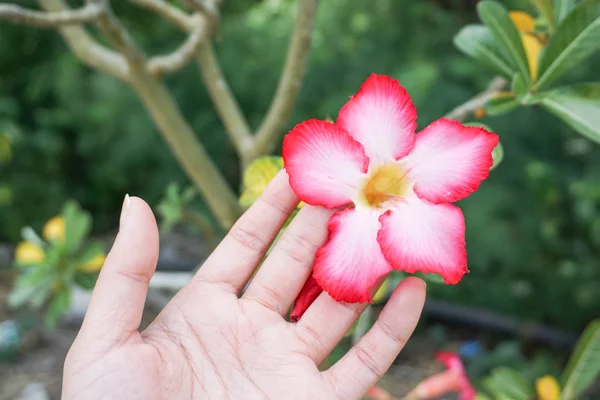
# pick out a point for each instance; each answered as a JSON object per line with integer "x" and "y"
{"x": 371, "y": 357}
{"x": 284, "y": 272}
{"x": 324, "y": 324}
{"x": 117, "y": 303}
{"x": 235, "y": 259}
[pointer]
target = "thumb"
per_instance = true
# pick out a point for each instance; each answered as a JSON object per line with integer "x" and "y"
{"x": 116, "y": 307}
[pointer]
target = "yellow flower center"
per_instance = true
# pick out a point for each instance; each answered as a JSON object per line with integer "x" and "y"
{"x": 385, "y": 184}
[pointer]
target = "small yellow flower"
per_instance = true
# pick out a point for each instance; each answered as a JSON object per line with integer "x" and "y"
{"x": 547, "y": 388}
{"x": 93, "y": 264}
{"x": 54, "y": 230}
{"x": 28, "y": 253}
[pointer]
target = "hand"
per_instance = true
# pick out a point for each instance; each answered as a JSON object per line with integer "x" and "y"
{"x": 210, "y": 343}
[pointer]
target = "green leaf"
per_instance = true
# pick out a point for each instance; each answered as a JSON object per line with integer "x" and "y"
{"x": 435, "y": 279}
{"x": 58, "y": 306}
{"x": 172, "y": 193}
{"x": 522, "y": 94}
{"x": 477, "y": 42}
{"x": 495, "y": 16}
{"x": 172, "y": 206}
{"x": 584, "y": 365}
{"x": 575, "y": 39}
{"x": 562, "y": 9}
{"x": 78, "y": 224}
{"x": 578, "y": 106}
{"x": 509, "y": 383}
{"x": 91, "y": 251}
{"x": 546, "y": 10}
{"x": 28, "y": 234}
{"x": 86, "y": 281}
{"x": 519, "y": 88}
{"x": 170, "y": 215}
{"x": 35, "y": 275}
{"x": 6, "y": 194}
{"x": 188, "y": 194}
{"x": 41, "y": 294}
{"x": 500, "y": 105}
{"x": 5, "y": 149}
{"x": 20, "y": 295}
{"x": 497, "y": 155}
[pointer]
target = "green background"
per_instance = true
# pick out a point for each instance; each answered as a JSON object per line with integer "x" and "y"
{"x": 533, "y": 229}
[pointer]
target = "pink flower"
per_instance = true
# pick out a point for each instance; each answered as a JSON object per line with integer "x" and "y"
{"x": 392, "y": 189}
{"x": 309, "y": 293}
{"x": 454, "y": 379}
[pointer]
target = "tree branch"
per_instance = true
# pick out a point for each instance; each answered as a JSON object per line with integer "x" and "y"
{"x": 289, "y": 84}
{"x": 168, "y": 12}
{"x": 210, "y": 8}
{"x": 183, "y": 55}
{"x": 116, "y": 34}
{"x": 162, "y": 107}
{"x": 190, "y": 153}
{"x": 461, "y": 112}
{"x": 227, "y": 107}
{"x": 229, "y": 111}
{"x": 85, "y": 47}
{"x": 39, "y": 19}
{"x": 175, "y": 129}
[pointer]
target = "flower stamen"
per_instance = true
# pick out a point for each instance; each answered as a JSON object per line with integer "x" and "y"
{"x": 387, "y": 184}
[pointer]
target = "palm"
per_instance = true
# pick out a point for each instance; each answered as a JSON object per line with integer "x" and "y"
{"x": 237, "y": 349}
{"x": 208, "y": 343}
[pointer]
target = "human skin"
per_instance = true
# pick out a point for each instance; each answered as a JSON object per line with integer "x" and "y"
{"x": 211, "y": 341}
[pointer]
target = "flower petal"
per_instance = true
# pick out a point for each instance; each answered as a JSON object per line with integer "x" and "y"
{"x": 419, "y": 236}
{"x": 382, "y": 117}
{"x": 450, "y": 160}
{"x": 324, "y": 163}
{"x": 351, "y": 262}
{"x": 309, "y": 293}
{"x": 453, "y": 362}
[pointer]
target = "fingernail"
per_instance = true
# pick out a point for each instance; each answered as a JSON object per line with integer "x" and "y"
{"x": 124, "y": 210}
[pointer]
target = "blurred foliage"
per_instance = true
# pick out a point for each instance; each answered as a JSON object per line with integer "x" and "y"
{"x": 582, "y": 370}
{"x": 180, "y": 207}
{"x": 533, "y": 229}
{"x": 49, "y": 266}
{"x": 174, "y": 205}
{"x": 505, "y": 374}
